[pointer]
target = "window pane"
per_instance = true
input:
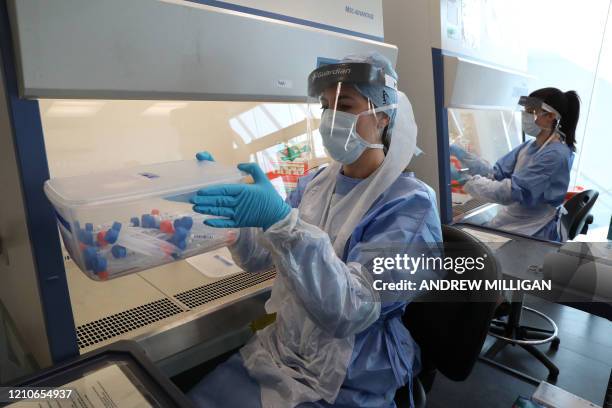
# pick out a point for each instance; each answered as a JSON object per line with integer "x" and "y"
{"x": 567, "y": 58}
{"x": 594, "y": 161}
{"x": 97, "y": 135}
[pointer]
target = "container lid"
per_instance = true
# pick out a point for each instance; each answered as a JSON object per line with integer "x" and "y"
{"x": 135, "y": 183}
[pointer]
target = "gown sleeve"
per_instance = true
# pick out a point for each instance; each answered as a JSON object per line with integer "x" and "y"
{"x": 340, "y": 296}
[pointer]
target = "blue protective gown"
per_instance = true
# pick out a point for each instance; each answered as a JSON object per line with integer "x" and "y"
{"x": 545, "y": 179}
{"x": 384, "y": 356}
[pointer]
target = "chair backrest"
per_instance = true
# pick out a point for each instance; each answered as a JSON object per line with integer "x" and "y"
{"x": 451, "y": 333}
{"x": 578, "y": 208}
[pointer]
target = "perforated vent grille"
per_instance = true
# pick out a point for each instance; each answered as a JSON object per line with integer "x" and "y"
{"x": 114, "y": 325}
{"x": 207, "y": 293}
{"x": 468, "y": 206}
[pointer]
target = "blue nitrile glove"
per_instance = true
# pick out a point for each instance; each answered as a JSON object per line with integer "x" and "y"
{"x": 201, "y": 156}
{"x": 460, "y": 177}
{"x": 246, "y": 205}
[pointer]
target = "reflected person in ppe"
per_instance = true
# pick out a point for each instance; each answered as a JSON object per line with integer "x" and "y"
{"x": 531, "y": 181}
{"x": 334, "y": 343}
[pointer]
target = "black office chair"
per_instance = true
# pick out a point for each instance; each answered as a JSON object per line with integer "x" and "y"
{"x": 577, "y": 219}
{"x": 451, "y": 333}
{"x": 509, "y": 331}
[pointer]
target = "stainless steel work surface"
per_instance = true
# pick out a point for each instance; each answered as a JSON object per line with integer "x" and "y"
{"x": 181, "y": 276}
{"x": 475, "y": 212}
{"x": 167, "y": 309}
{"x": 578, "y": 272}
{"x": 174, "y": 278}
{"x": 519, "y": 256}
{"x": 92, "y": 300}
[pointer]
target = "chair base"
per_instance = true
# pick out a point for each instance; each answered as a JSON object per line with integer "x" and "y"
{"x": 511, "y": 332}
{"x": 419, "y": 395}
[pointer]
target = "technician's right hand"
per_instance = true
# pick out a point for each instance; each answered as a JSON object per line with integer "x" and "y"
{"x": 245, "y": 205}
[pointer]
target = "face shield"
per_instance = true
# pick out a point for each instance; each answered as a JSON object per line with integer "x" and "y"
{"x": 530, "y": 109}
{"x": 348, "y": 121}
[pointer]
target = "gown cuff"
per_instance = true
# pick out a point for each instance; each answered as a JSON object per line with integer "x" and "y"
{"x": 283, "y": 228}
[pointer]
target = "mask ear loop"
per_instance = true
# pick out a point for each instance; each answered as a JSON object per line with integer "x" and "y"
{"x": 381, "y": 131}
{"x": 555, "y": 128}
{"x": 374, "y": 110}
{"x": 371, "y": 109}
{"x": 549, "y": 109}
{"x": 558, "y": 125}
{"x": 348, "y": 138}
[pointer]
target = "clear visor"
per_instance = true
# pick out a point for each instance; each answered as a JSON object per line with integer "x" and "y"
{"x": 341, "y": 114}
{"x": 530, "y": 111}
{"x": 535, "y": 106}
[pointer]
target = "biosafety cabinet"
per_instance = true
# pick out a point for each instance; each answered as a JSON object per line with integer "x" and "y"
{"x": 463, "y": 65}
{"x": 91, "y": 86}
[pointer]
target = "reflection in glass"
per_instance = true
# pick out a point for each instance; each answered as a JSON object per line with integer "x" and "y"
{"x": 85, "y": 136}
{"x": 593, "y": 165}
{"x": 478, "y": 138}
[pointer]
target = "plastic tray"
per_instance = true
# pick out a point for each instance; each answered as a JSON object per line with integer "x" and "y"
{"x": 123, "y": 221}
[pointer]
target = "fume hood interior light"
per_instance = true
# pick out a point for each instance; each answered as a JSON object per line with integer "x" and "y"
{"x": 76, "y": 108}
{"x": 163, "y": 108}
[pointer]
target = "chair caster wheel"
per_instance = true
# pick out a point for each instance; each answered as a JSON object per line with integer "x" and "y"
{"x": 554, "y": 344}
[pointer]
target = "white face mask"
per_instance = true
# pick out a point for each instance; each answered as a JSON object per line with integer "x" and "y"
{"x": 339, "y": 133}
{"x": 529, "y": 124}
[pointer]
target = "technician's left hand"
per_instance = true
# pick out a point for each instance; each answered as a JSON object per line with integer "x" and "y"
{"x": 460, "y": 177}
{"x": 245, "y": 205}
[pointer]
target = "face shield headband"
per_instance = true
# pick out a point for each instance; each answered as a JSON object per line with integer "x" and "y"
{"x": 358, "y": 73}
{"x": 530, "y": 102}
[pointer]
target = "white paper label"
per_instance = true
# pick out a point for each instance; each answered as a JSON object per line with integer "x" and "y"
{"x": 108, "y": 387}
{"x": 284, "y": 83}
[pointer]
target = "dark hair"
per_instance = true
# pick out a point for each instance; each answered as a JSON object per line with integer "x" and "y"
{"x": 386, "y": 139}
{"x": 568, "y": 106}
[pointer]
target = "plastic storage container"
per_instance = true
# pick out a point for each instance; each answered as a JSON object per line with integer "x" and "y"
{"x": 119, "y": 222}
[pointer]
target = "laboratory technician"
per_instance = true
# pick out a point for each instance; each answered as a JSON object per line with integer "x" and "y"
{"x": 531, "y": 181}
{"x": 334, "y": 342}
